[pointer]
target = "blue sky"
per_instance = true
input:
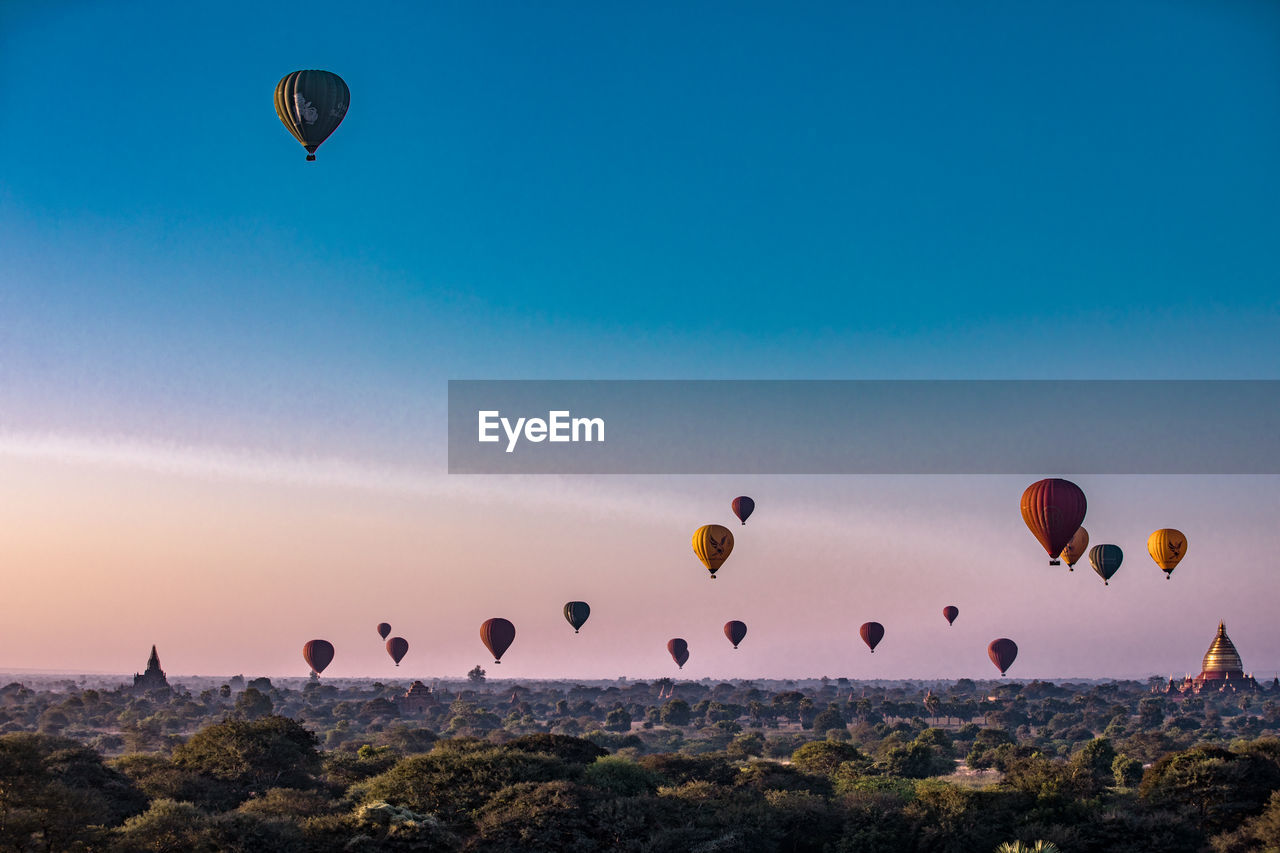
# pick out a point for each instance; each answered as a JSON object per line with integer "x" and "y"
{"x": 577, "y": 190}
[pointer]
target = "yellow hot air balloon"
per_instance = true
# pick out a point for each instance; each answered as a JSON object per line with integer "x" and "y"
{"x": 1167, "y": 547}
{"x": 713, "y": 544}
{"x": 1076, "y": 548}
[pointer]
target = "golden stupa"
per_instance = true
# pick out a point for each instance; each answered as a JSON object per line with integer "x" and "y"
{"x": 1222, "y": 669}
{"x": 1222, "y": 656}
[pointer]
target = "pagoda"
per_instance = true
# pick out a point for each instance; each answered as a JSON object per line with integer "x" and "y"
{"x": 419, "y": 698}
{"x": 154, "y": 678}
{"x": 1222, "y": 670}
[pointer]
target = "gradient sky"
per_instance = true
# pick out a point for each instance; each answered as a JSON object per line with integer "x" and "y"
{"x": 222, "y": 369}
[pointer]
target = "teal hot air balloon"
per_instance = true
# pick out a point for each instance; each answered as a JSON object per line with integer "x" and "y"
{"x": 576, "y": 613}
{"x": 1106, "y": 561}
{"x": 311, "y": 105}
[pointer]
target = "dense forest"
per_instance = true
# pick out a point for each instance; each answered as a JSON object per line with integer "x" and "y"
{"x": 818, "y": 765}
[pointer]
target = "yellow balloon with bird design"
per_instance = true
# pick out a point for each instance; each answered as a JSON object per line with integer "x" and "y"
{"x": 1167, "y": 547}
{"x": 713, "y": 544}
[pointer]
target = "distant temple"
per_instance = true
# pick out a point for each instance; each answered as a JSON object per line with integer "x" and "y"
{"x": 418, "y": 698}
{"x": 153, "y": 678}
{"x": 1222, "y": 669}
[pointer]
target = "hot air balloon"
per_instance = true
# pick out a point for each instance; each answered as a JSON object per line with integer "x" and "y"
{"x": 713, "y": 544}
{"x": 1002, "y": 653}
{"x": 497, "y": 636}
{"x": 1054, "y": 510}
{"x": 384, "y": 630}
{"x": 1106, "y": 560}
{"x": 679, "y": 651}
{"x": 311, "y": 105}
{"x": 397, "y": 647}
{"x": 743, "y": 506}
{"x": 872, "y": 633}
{"x": 735, "y": 631}
{"x": 950, "y": 612}
{"x": 1075, "y": 549}
{"x": 318, "y": 654}
{"x": 576, "y": 612}
{"x": 1167, "y": 547}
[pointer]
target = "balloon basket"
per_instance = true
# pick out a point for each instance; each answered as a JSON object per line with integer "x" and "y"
{"x": 310, "y": 157}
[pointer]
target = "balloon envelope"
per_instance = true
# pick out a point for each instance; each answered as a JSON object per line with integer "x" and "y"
{"x": 397, "y": 647}
{"x": 318, "y": 654}
{"x": 1076, "y": 548}
{"x": 950, "y": 612}
{"x": 1002, "y": 653}
{"x": 311, "y": 105}
{"x": 713, "y": 544}
{"x": 576, "y": 612}
{"x": 735, "y": 631}
{"x": 743, "y": 506}
{"x": 1167, "y": 547}
{"x": 1053, "y": 510}
{"x": 679, "y": 651}
{"x": 497, "y": 635}
{"x": 872, "y": 633}
{"x": 1106, "y": 560}
{"x": 384, "y": 630}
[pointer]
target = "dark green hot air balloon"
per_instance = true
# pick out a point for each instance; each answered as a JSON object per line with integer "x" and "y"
{"x": 312, "y": 104}
{"x": 576, "y": 612}
{"x": 1106, "y": 561}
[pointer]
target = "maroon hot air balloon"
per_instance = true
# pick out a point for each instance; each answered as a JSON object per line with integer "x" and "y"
{"x": 743, "y": 506}
{"x": 497, "y": 636}
{"x": 397, "y": 647}
{"x": 318, "y": 654}
{"x": 1002, "y": 653}
{"x": 950, "y": 612}
{"x": 679, "y": 651}
{"x": 384, "y": 630}
{"x": 1054, "y": 510}
{"x": 735, "y": 631}
{"x": 872, "y": 633}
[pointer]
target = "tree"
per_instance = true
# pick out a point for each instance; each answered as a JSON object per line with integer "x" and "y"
{"x": 1127, "y": 771}
{"x": 255, "y": 755}
{"x": 166, "y": 826}
{"x": 252, "y": 704}
{"x": 1090, "y": 769}
{"x": 826, "y": 720}
{"x": 1222, "y": 786}
{"x": 621, "y": 777}
{"x": 617, "y": 720}
{"x": 476, "y": 675}
{"x": 56, "y": 794}
{"x": 675, "y": 712}
{"x": 453, "y": 782}
{"x": 824, "y": 756}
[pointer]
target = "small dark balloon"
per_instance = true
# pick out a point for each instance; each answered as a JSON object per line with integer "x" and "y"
{"x": 950, "y": 612}
{"x": 576, "y": 613}
{"x": 1106, "y": 561}
{"x": 384, "y": 630}
{"x": 735, "y": 631}
{"x": 1002, "y": 653}
{"x": 743, "y": 506}
{"x": 311, "y": 105}
{"x": 679, "y": 651}
{"x": 318, "y": 654}
{"x": 497, "y": 635}
{"x": 872, "y": 633}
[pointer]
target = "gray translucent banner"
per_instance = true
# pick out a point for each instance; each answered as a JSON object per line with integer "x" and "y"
{"x": 864, "y": 427}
